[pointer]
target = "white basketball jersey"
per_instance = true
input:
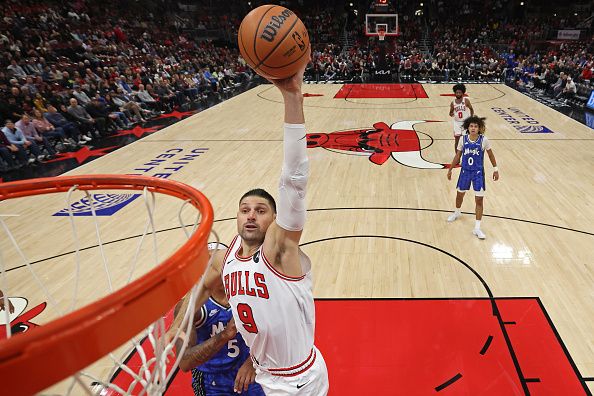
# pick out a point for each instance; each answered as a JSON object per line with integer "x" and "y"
{"x": 461, "y": 111}
{"x": 274, "y": 313}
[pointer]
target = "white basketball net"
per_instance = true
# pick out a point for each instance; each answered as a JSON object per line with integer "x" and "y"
{"x": 154, "y": 358}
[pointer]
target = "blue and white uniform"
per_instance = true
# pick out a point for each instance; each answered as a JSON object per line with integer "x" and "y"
{"x": 216, "y": 377}
{"x": 473, "y": 171}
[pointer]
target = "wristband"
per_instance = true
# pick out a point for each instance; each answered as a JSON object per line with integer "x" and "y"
{"x": 495, "y": 169}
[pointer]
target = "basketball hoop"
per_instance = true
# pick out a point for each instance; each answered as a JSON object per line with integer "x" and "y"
{"x": 34, "y": 360}
{"x": 381, "y": 34}
{"x": 381, "y": 25}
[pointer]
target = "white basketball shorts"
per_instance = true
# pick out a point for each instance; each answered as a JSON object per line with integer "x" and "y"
{"x": 311, "y": 382}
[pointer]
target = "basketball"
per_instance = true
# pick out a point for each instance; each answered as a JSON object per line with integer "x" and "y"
{"x": 273, "y": 41}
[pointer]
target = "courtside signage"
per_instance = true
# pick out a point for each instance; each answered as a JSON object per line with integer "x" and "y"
{"x": 163, "y": 165}
{"x": 521, "y": 121}
{"x": 103, "y": 204}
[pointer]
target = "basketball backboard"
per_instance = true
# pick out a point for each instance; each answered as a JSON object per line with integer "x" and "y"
{"x": 374, "y": 23}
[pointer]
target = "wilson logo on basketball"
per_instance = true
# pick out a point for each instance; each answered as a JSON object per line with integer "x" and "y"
{"x": 276, "y": 22}
{"x": 273, "y": 41}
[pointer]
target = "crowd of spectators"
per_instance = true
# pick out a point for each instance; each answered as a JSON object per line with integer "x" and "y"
{"x": 72, "y": 73}
{"x": 564, "y": 72}
{"x": 456, "y": 55}
{"x": 471, "y": 41}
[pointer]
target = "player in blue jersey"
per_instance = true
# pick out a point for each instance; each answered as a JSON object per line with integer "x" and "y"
{"x": 472, "y": 149}
{"x": 216, "y": 354}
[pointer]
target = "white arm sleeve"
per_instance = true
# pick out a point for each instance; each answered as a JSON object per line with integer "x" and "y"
{"x": 293, "y": 181}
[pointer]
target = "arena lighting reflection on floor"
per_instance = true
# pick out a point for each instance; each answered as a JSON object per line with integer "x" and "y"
{"x": 505, "y": 254}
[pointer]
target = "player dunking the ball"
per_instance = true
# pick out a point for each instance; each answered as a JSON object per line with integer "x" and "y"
{"x": 472, "y": 150}
{"x": 266, "y": 276}
{"x": 460, "y": 110}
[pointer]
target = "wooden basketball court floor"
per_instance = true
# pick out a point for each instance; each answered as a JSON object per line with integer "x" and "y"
{"x": 376, "y": 230}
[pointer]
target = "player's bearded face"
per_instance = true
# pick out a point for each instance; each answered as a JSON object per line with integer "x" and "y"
{"x": 459, "y": 94}
{"x": 253, "y": 219}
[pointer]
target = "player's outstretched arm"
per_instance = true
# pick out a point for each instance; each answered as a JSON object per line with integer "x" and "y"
{"x": 452, "y": 109}
{"x": 210, "y": 280}
{"x": 282, "y": 238}
{"x": 290, "y": 88}
{"x": 197, "y": 354}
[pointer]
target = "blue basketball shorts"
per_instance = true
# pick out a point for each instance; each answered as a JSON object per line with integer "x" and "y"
{"x": 474, "y": 177}
{"x": 220, "y": 384}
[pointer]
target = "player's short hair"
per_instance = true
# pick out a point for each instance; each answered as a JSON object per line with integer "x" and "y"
{"x": 480, "y": 121}
{"x": 459, "y": 87}
{"x": 259, "y": 192}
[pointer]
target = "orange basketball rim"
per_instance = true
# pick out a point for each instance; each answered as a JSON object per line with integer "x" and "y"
{"x": 37, "y": 359}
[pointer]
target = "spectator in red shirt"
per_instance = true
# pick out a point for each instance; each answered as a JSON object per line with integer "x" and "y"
{"x": 587, "y": 72}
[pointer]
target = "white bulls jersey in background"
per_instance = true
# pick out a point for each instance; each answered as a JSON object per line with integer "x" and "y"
{"x": 274, "y": 313}
{"x": 461, "y": 111}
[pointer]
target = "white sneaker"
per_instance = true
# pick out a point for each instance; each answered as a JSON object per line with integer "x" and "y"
{"x": 85, "y": 137}
{"x": 479, "y": 233}
{"x": 453, "y": 216}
